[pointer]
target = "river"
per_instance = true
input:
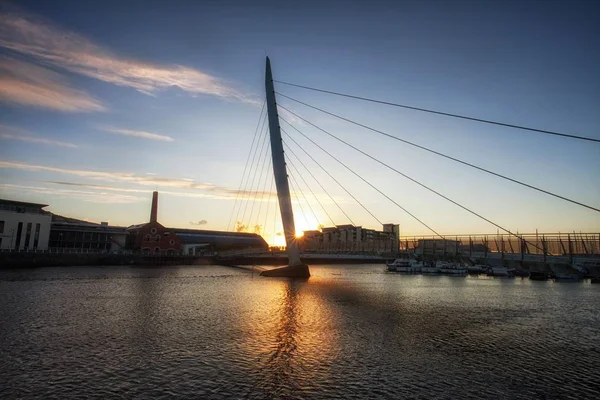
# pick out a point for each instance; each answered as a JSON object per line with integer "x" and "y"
{"x": 349, "y": 332}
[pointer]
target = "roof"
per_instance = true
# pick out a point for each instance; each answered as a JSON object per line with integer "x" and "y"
{"x": 88, "y": 227}
{"x": 219, "y": 237}
{"x": 22, "y": 204}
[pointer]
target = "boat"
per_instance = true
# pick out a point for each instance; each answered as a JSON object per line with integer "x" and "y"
{"x": 538, "y": 276}
{"x": 430, "y": 268}
{"x": 521, "y": 272}
{"x": 404, "y": 265}
{"x": 500, "y": 272}
{"x": 566, "y": 277}
{"x": 477, "y": 269}
{"x": 452, "y": 269}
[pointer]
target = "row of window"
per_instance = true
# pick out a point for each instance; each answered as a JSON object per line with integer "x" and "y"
{"x": 157, "y": 239}
{"x": 36, "y": 236}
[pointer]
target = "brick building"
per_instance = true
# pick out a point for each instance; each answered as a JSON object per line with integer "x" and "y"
{"x": 152, "y": 237}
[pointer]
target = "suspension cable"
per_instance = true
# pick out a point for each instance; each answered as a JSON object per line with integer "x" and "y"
{"x": 253, "y": 193}
{"x": 485, "y": 121}
{"x": 250, "y": 189}
{"x": 245, "y": 190}
{"x": 306, "y": 183}
{"x": 336, "y": 181}
{"x": 246, "y": 166}
{"x": 361, "y": 178}
{"x": 268, "y": 203}
{"x": 258, "y": 188}
{"x": 299, "y": 203}
{"x": 303, "y": 196}
{"x": 316, "y": 180}
{"x": 444, "y": 155}
{"x": 409, "y": 178}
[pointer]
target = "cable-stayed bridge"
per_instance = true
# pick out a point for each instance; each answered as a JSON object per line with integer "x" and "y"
{"x": 283, "y": 157}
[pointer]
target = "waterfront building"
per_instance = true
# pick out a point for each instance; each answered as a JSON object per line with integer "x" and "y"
{"x": 196, "y": 241}
{"x": 437, "y": 247}
{"x": 152, "y": 237}
{"x": 75, "y": 235}
{"x": 352, "y": 238}
{"x": 23, "y": 226}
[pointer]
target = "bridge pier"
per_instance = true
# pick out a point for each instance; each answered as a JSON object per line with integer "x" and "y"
{"x": 291, "y": 271}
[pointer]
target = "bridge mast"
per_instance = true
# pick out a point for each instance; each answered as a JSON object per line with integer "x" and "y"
{"x": 296, "y": 268}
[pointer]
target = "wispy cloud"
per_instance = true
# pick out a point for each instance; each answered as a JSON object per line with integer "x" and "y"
{"x": 35, "y": 37}
{"x": 89, "y": 196}
{"x": 210, "y": 189}
{"x": 31, "y": 85}
{"x": 10, "y": 133}
{"x": 140, "y": 134}
{"x": 201, "y": 222}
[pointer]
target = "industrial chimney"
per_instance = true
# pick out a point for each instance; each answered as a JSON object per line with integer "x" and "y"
{"x": 154, "y": 210}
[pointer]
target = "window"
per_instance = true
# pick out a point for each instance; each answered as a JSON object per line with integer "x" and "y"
{"x": 147, "y": 238}
{"x": 1, "y": 227}
{"x": 19, "y": 231}
{"x": 153, "y": 231}
{"x": 28, "y": 235}
{"x": 157, "y": 238}
{"x": 171, "y": 242}
{"x": 157, "y": 250}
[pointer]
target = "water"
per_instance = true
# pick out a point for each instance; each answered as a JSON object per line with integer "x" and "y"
{"x": 350, "y": 332}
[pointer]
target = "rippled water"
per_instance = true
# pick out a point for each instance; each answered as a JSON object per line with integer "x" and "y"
{"x": 349, "y": 332}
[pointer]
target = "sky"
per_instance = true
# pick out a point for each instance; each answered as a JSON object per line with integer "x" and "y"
{"x": 102, "y": 102}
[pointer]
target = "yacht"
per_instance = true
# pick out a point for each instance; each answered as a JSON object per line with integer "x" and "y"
{"x": 405, "y": 265}
{"x": 430, "y": 268}
{"x": 500, "y": 271}
{"x": 452, "y": 269}
{"x": 477, "y": 269}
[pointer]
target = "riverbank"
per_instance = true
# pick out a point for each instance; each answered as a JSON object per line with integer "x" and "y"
{"x": 39, "y": 259}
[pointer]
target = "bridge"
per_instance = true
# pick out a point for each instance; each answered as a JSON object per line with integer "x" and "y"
{"x": 288, "y": 153}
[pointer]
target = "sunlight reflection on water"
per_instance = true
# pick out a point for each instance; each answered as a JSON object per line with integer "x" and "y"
{"x": 348, "y": 332}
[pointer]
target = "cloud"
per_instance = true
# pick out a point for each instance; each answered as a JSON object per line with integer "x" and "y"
{"x": 35, "y": 37}
{"x": 140, "y": 134}
{"x": 31, "y": 85}
{"x": 201, "y": 222}
{"x": 18, "y": 134}
{"x": 89, "y": 196}
{"x": 143, "y": 180}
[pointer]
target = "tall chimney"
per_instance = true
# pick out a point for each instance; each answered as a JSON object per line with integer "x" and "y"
{"x": 154, "y": 210}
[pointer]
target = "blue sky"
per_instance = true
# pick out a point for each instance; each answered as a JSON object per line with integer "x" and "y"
{"x": 103, "y": 102}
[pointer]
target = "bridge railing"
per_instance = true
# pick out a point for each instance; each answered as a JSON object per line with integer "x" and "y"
{"x": 553, "y": 244}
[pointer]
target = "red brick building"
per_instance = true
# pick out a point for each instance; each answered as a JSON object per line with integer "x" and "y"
{"x": 152, "y": 237}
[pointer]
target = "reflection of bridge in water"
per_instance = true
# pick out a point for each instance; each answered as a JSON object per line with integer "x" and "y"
{"x": 500, "y": 248}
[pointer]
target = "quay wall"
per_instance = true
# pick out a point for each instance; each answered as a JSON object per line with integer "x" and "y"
{"x": 38, "y": 259}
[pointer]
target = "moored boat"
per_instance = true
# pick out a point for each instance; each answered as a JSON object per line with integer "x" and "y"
{"x": 452, "y": 269}
{"x": 404, "y": 265}
{"x": 566, "y": 277}
{"x": 538, "y": 276}
{"x": 477, "y": 269}
{"x": 499, "y": 272}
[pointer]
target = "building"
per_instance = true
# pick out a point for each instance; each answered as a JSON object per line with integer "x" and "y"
{"x": 152, "y": 237}
{"x": 68, "y": 233}
{"x": 437, "y": 247}
{"x": 24, "y": 226}
{"x": 196, "y": 241}
{"x": 349, "y": 238}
